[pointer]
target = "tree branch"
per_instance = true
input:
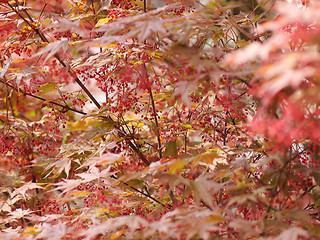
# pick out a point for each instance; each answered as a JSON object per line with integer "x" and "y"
{"x": 156, "y": 122}
{"x": 141, "y": 192}
{"x": 43, "y": 99}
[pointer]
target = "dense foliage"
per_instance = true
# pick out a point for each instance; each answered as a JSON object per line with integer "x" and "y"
{"x": 159, "y": 119}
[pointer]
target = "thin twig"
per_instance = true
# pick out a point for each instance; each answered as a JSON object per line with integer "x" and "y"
{"x": 234, "y": 23}
{"x": 10, "y": 102}
{"x": 225, "y": 132}
{"x": 141, "y": 192}
{"x": 45, "y": 5}
{"x": 124, "y": 135}
{"x": 156, "y": 122}
{"x": 66, "y": 107}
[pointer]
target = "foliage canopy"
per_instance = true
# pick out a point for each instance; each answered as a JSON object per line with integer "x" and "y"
{"x": 159, "y": 119}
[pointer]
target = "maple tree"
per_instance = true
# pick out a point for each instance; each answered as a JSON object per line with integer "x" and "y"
{"x": 159, "y": 119}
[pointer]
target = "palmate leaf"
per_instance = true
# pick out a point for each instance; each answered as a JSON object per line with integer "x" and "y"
{"x": 194, "y": 222}
{"x": 64, "y": 24}
{"x": 105, "y": 159}
{"x": 24, "y": 76}
{"x": 202, "y": 193}
{"x": 242, "y": 199}
{"x": 176, "y": 166}
{"x": 204, "y": 187}
{"x": 211, "y": 159}
{"x": 144, "y": 29}
{"x": 66, "y": 185}
{"x": 5, "y": 69}
{"x": 10, "y": 233}
{"x": 182, "y": 89}
{"x": 71, "y": 154}
{"x": 52, "y": 232}
{"x": 141, "y": 26}
{"x": 20, "y": 213}
{"x": 133, "y": 223}
{"x": 28, "y": 186}
{"x": 248, "y": 228}
{"x": 95, "y": 174}
{"x": 53, "y": 48}
{"x": 59, "y": 166}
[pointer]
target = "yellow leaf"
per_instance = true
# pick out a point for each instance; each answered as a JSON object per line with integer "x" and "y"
{"x": 126, "y": 194}
{"x": 136, "y": 124}
{"x": 187, "y": 126}
{"x": 79, "y": 194}
{"x": 176, "y": 166}
{"x": 49, "y": 87}
{"x": 117, "y": 235}
{"x": 31, "y": 231}
{"x": 107, "y": 162}
{"x": 103, "y": 210}
{"x": 207, "y": 158}
{"x": 102, "y": 21}
{"x": 84, "y": 124}
{"x": 214, "y": 218}
{"x": 220, "y": 175}
{"x": 110, "y": 45}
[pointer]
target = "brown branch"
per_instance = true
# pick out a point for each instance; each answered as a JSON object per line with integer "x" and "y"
{"x": 225, "y": 132}
{"x": 141, "y": 192}
{"x": 66, "y": 107}
{"x": 156, "y": 122}
{"x": 144, "y": 5}
{"x": 132, "y": 145}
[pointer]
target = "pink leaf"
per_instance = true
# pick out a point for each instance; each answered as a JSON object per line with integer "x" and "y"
{"x": 53, "y": 48}
{"x": 182, "y": 89}
{"x": 67, "y": 184}
{"x": 292, "y": 233}
{"x": 22, "y": 190}
{"x": 52, "y": 232}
